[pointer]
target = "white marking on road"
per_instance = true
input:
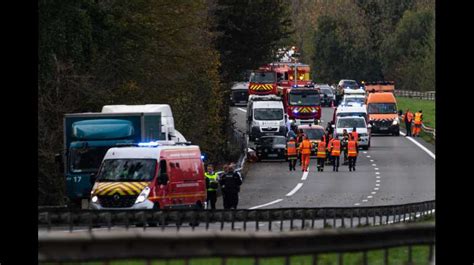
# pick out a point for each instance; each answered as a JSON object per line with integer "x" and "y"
{"x": 377, "y": 177}
{"x": 373, "y": 192}
{"x": 378, "y": 180}
{"x": 241, "y": 109}
{"x": 356, "y": 204}
{"x": 378, "y": 185}
{"x": 376, "y": 168}
{"x": 371, "y": 160}
{"x": 369, "y": 197}
{"x": 266, "y": 204}
{"x": 368, "y": 156}
{"x": 364, "y": 200}
{"x": 298, "y": 186}
{"x": 374, "y": 165}
{"x": 420, "y": 146}
{"x": 365, "y": 152}
{"x": 305, "y": 175}
{"x": 376, "y": 188}
{"x": 377, "y": 173}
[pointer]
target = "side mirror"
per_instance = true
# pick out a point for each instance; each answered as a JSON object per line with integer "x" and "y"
{"x": 163, "y": 179}
{"x": 92, "y": 178}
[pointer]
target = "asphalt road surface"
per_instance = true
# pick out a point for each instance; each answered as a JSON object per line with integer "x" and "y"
{"x": 395, "y": 170}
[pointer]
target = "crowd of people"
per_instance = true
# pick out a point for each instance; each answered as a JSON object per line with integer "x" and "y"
{"x": 229, "y": 182}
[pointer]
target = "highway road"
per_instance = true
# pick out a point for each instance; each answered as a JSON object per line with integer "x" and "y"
{"x": 395, "y": 170}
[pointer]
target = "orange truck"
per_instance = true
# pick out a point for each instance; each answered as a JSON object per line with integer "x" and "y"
{"x": 382, "y": 113}
{"x": 380, "y": 86}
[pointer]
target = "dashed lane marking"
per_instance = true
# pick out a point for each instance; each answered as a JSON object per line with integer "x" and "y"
{"x": 298, "y": 186}
{"x": 376, "y": 168}
{"x": 373, "y": 192}
{"x": 378, "y": 185}
{"x": 370, "y": 197}
{"x": 305, "y": 175}
{"x": 368, "y": 156}
{"x": 374, "y": 165}
{"x": 377, "y": 177}
{"x": 378, "y": 180}
{"x": 241, "y": 109}
{"x": 364, "y": 200}
{"x": 356, "y": 204}
{"x": 377, "y": 173}
{"x": 376, "y": 188}
{"x": 266, "y": 204}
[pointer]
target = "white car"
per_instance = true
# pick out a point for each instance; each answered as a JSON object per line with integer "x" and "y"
{"x": 357, "y": 91}
{"x": 347, "y": 111}
{"x": 353, "y": 100}
{"x": 349, "y": 123}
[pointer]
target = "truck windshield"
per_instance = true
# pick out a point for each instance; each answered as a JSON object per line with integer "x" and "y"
{"x": 351, "y": 123}
{"x": 263, "y": 77}
{"x": 314, "y": 134}
{"x": 348, "y": 114}
{"x": 304, "y": 98}
{"x": 127, "y": 170}
{"x": 382, "y": 108}
{"x": 268, "y": 114}
{"x": 86, "y": 159}
{"x": 350, "y": 84}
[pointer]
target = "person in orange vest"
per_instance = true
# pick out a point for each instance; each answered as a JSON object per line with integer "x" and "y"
{"x": 352, "y": 147}
{"x": 321, "y": 153}
{"x": 418, "y": 121}
{"x": 305, "y": 150}
{"x": 355, "y": 134}
{"x": 334, "y": 147}
{"x": 291, "y": 153}
{"x": 408, "y": 118}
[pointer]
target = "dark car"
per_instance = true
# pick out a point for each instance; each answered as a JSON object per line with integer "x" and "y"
{"x": 327, "y": 95}
{"x": 271, "y": 147}
{"x": 239, "y": 94}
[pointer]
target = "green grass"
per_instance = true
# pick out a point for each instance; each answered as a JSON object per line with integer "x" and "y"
{"x": 427, "y": 106}
{"x": 396, "y": 256}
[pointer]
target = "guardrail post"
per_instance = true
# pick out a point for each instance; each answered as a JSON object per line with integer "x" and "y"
{"x": 256, "y": 220}
{"x": 269, "y": 221}
{"x": 281, "y": 220}
{"x": 352, "y": 214}
{"x": 324, "y": 218}
{"x": 373, "y": 213}
{"x": 313, "y": 216}
{"x": 334, "y": 219}
{"x": 245, "y": 220}
{"x": 291, "y": 219}
{"x": 233, "y": 218}
{"x": 207, "y": 220}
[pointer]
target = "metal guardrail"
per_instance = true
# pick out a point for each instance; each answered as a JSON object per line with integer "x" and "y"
{"x": 428, "y": 95}
{"x": 429, "y": 130}
{"x": 259, "y": 219}
{"x": 103, "y": 245}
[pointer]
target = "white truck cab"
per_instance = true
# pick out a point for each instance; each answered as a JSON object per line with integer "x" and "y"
{"x": 265, "y": 116}
{"x": 167, "y": 121}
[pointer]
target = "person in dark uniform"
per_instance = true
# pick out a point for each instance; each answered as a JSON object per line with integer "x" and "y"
{"x": 230, "y": 184}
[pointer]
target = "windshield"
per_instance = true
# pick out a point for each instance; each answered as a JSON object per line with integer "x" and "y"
{"x": 350, "y": 84}
{"x": 351, "y": 123}
{"x": 382, "y": 108}
{"x": 326, "y": 91}
{"x": 354, "y": 100}
{"x": 263, "y": 77}
{"x": 268, "y": 114}
{"x": 86, "y": 159}
{"x": 314, "y": 134}
{"x": 127, "y": 170}
{"x": 273, "y": 140}
{"x": 349, "y": 114}
{"x": 304, "y": 98}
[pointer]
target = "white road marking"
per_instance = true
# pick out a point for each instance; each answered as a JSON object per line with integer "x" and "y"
{"x": 376, "y": 188}
{"x": 365, "y": 152}
{"x": 378, "y": 185}
{"x": 266, "y": 204}
{"x": 305, "y": 175}
{"x": 298, "y": 186}
{"x": 356, "y": 204}
{"x": 377, "y": 173}
{"x": 369, "y": 197}
{"x": 374, "y": 165}
{"x": 376, "y": 168}
{"x": 364, "y": 200}
{"x": 373, "y": 192}
{"x": 368, "y": 156}
{"x": 377, "y": 177}
{"x": 241, "y": 109}
{"x": 378, "y": 180}
{"x": 420, "y": 146}
{"x": 371, "y": 160}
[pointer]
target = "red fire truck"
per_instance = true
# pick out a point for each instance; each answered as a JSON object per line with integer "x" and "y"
{"x": 302, "y": 104}
{"x": 263, "y": 82}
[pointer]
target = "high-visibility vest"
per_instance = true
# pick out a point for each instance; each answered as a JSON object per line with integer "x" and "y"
{"x": 335, "y": 147}
{"x": 212, "y": 179}
{"x": 291, "y": 148}
{"x": 409, "y": 117}
{"x": 321, "y": 150}
{"x": 351, "y": 148}
{"x": 305, "y": 147}
{"x": 355, "y": 136}
{"x": 418, "y": 118}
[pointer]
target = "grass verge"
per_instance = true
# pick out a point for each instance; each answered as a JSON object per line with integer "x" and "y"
{"x": 427, "y": 106}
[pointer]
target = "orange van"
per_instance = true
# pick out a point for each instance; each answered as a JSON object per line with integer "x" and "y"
{"x": 382, "y": 113}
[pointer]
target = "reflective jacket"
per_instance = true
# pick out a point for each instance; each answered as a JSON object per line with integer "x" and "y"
{"x": 351, "y": 148}
{"x": 305, "y": 147}
{"x": 335, "y": 147}
{"x": 211, "y": 181}
{"x": 418, "y": 117}
{"x": 291, "y": 148}
{"x": 321, "y": 150}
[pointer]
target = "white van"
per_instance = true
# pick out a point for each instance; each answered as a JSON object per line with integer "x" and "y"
{"x": 349, "y": 123}
{"x": 347, "y": 111}
{"x": 265, "y": 116}
{"x": 353, "y": 100}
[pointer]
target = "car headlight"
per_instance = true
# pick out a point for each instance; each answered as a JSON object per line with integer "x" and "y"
{"x": 395, "y": 122}
{"x": 94, "y": 199}
{"x": 143, "y": 195}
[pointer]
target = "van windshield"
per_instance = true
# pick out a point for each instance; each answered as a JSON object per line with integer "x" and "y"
{"x": 86, "y": 159}
{"x": 354, "y": 100}
{"x": 349, "y": 114}
{"x": 350, "y": 123}
{"x": 304, "y": 98}
{"x": 268, "y": 114}
{"x": 382, "y": 108}
{"x": 127, "y": 170}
